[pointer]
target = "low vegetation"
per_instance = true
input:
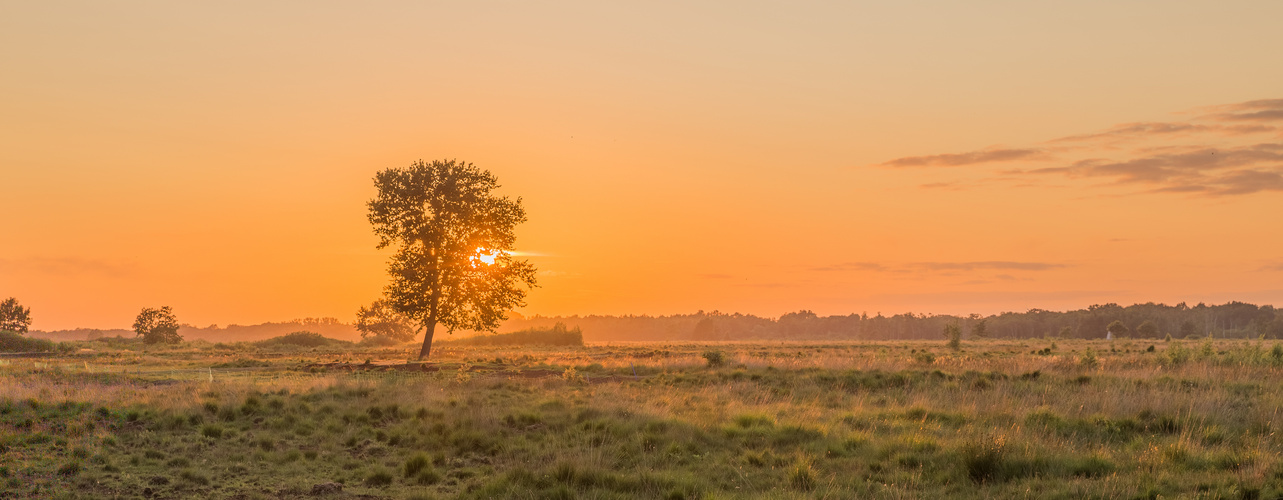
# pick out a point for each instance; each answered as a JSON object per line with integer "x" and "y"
{"x": 993, "y": 419}
{"x": 302, "y": 339}
{"x": 556, "y": 335}
{"x": 15, "y": 342}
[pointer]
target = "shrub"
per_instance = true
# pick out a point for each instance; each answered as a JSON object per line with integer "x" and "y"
{"x": 984, "y": 461}
{"x": 416, "y": 464}
{"x": 301, "y": 339}
{"x": 557, "y": 335}
{"x": 1177, "y": 354}
{"x": 953, "y": 334}
{"x": 427, "y": 476}
{"x": 13, "y": 342}
{"x": 1092, "y": 466}
{"x": 715, "y": 358}
{"x": 212, "y": 431}
{"x": 802, "y": 477}
{"x": 1089, "y": 360}
{"x": 69, "y": 469}
{"x": 193, "y": 477}
{"x": 378, "y": 478}
{"x": 571, "y": 375}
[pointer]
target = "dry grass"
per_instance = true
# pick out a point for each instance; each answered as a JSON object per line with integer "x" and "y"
{"x": 885, "y": 419}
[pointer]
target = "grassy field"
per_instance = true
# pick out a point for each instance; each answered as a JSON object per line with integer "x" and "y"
{"x": 997, "y": 419}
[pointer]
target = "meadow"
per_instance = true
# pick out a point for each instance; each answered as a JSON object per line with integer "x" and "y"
{"x": 1029, "y": 418}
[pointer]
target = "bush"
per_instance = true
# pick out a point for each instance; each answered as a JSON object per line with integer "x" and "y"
{"x": 301, "y": 339}
{"x": 212, "y": 431}
{"x": 1089, "y": 360}
{"x": 378, "y": 477}
{"x": 69, "y": 469}
{"x": 557, "y": 335}
{"x": 13, "y": 342}
{"x": 714, "y": 358}
{"x": 984, "y": 461}
{"x": 802, "y": 477}
{"x": 416, "y": 464}
{"x": 953, "y": 333}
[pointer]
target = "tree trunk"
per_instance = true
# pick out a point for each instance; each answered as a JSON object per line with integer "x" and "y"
{"x": 430, "y": 327}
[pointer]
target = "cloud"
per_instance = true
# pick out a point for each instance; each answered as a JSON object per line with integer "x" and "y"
{"x": 971, "y": 158}
{"x": 1259, "y": 110}
{"x": 944, "y": 267}
{"x": 766, "y": 285}
{"x": 1217, "y": 152}
{"x": 1010, "y": 298}
{"x": 1272, "y": 267}
{"x": 1208, "y": 171}
{"x": 973, "y": 266}
{"x": 715, "y": 276}
{"x": 1151, "y": 129}
{"x": 853, "y": 266}
{"x": 68, "y": 266}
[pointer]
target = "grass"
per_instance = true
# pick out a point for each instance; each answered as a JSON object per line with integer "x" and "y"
{"x": 997, "y": 419}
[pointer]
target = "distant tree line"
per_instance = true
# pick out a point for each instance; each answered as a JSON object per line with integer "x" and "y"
{"x": 1232, "y": 320}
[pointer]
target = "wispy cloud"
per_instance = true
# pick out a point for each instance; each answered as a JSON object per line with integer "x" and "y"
{"x": 67, "y": 266}
{"x": 1209, "y": 171}
{"x": 973, "y": 266}
{"x": 970, "y": 158}
{"x": 1152, "y": 129}
{"x": 853, "y": 266}
{"x": 1219, "y": 152}
{"x": 1263, "y": 110}
{"x": 943, "y": 267}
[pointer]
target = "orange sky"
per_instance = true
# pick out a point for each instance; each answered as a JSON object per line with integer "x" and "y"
{"x": 945, "y": 157}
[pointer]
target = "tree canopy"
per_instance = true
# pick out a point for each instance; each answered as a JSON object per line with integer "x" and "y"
{"x": 14, "y": 317}
{"x": 454, "y": 240}
{"x": 157, "y": 326}
{"x": 380, "y": 319}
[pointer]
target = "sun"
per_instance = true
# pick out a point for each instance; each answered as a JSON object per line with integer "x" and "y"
{"x": 485, "y": 256}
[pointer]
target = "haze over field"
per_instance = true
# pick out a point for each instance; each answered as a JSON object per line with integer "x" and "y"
{"x": 761, "y": 158}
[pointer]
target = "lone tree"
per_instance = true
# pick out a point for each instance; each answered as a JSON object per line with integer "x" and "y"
{"x": 381, "y": 320}
{"x": 14, "y": 317}
{"x": 157, "y": 326}
{"x": 454, "y": 237}
{"x": 953, "y": 334}
{"x": 1147, "y": 329}
{"x": 1117, "y": 328}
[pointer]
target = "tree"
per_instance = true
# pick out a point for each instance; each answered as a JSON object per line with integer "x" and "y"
{"x": 953, "y": 333}
{"x": 14, "y": 317}
{"x": 453, "y": 264}
{"x": 1188, "y": 329}
{"x": 157, "y": 326}
{"x": 1117, "y": 328}
{"x": 381, "y": 320}
{"x": 1147, "y": 329}
{"x": 978, "y": 329}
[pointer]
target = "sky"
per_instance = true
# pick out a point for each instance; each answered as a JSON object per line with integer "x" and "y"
{"x": 755, "y": 157}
